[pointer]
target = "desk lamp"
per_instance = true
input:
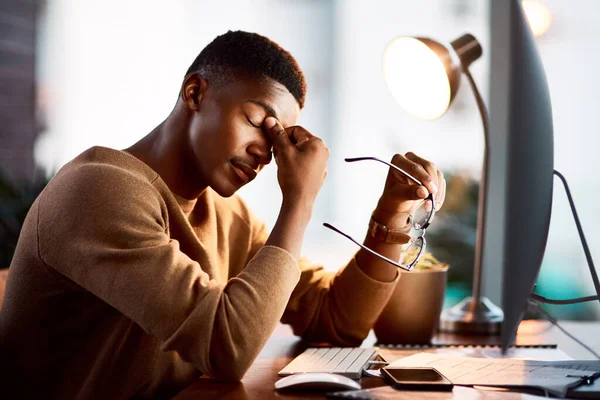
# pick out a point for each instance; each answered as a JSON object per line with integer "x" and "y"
{"x": 423, "y": 76}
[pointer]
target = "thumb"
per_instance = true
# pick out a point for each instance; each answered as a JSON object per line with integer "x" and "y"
{"x": 277, "y": 134}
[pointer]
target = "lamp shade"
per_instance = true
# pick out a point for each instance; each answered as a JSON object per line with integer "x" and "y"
{"x": 424, "y": 75}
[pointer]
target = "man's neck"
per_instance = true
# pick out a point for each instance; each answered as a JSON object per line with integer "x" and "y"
{"x": 166, "y": 150}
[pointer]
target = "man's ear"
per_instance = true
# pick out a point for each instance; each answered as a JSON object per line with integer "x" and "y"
{"x": 192, "y": 92}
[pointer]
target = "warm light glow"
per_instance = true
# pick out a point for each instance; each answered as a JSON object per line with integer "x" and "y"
{"x": 416, "y": 78}
{"x": 538, "y": 15}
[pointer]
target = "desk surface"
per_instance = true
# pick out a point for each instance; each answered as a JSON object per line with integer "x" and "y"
{"x": 283, "y": 346}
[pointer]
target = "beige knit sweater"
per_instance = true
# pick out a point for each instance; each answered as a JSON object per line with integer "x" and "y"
{"x": 119, "y": 289}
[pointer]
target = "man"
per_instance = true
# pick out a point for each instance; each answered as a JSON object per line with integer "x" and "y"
{"x": 138, "y": 271}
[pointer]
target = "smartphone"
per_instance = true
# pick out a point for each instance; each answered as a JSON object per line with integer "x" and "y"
{"x": 416, "y": 378}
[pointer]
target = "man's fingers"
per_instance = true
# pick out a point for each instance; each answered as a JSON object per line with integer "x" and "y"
{"x": 277, "y": 134}
{"x": 428, "y": 165}
{"x": 409, "y": 192}
{"x": 299, "y": 135}
{"x": 420, "y": 165}
{"x": 281, "y": 138}
{"x": 416, "y": 170}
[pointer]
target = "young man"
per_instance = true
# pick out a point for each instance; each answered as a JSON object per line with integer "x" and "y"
{"x": 138, "y": 271}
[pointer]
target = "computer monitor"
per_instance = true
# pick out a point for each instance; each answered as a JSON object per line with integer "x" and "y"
{"x": 520, "y": 120}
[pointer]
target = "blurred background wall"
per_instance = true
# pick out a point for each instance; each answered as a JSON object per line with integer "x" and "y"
{"x": 18, "y": 129}
{"x": 107, "y": 72}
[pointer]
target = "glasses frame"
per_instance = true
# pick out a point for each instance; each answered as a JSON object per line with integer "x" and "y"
{"x": 413, "y": 239}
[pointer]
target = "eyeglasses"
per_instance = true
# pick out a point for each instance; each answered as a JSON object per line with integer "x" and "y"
{"x": 420, "y": 220}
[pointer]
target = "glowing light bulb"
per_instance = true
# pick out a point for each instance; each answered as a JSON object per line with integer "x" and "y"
{"x": 416, "y": 77}
{"x": 538, "y": 15}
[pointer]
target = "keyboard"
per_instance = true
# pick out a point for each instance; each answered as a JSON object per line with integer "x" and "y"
{"x": 346, "y": 361}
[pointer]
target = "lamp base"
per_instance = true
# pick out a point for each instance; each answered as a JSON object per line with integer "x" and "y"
{"x": 469, "y": 316}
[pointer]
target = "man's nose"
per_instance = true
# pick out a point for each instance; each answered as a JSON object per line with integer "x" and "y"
{"x": 265, "y": 157}
{"x": 262, "y": 151}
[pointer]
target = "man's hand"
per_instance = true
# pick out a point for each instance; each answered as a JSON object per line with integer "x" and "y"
{"x": 401, "y": 195}
{"x": 301, "y": 161}
{"x": 301, "y": 168}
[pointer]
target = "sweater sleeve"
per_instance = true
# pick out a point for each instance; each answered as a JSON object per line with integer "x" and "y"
{"x": 339, "y": 308}
{"x": 107, "y": 231}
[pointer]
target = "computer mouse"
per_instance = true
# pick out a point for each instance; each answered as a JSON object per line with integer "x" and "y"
{"x": 316, "y": 381}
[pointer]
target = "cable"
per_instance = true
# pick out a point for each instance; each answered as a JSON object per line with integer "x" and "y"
{"x": 555, "y": 323}
{"x": 586, "y": 250}
{"x": 542, "y": 299}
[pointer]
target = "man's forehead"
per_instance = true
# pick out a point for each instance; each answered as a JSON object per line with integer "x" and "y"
{"x": 273, "y": 97}
{"x": 268, "y": 108}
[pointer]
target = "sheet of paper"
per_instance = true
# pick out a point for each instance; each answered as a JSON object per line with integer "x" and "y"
{"x": 520, "y": 353}
{"x": 483, "y": 352}
{"x": 457, "y": 393}
{"x": 550, "y": 376}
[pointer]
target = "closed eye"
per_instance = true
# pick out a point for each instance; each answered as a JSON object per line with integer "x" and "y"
{"x": 253, "y": 124}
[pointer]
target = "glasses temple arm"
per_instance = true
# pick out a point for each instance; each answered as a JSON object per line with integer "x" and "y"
{"x": 409, "y": 176}
{"x": 333, "y": 228}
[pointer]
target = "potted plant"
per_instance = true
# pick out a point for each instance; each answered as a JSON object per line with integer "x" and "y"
{"x": 411, "y": 316}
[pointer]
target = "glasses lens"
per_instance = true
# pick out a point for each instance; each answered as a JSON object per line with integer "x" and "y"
{"x": 423, "y": 214}
{"x": 412, "y": 252}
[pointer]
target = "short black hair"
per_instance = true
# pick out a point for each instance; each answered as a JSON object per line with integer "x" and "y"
{"x": 238, "y": 53}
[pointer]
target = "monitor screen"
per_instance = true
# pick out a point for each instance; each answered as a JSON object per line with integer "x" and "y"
{"x": 521, "y": 121}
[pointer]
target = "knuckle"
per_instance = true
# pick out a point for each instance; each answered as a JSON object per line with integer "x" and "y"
{"x": 428, "y": 165}
{"x": 317, "y": 143}
{"x": 299, "y": 130}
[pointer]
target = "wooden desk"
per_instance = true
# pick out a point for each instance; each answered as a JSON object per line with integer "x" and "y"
{"x": 282, "y": 347}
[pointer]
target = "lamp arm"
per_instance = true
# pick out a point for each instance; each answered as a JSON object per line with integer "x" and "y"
{"x": 480, "y": 104}
{"x": 474, "y": 314}
{"x": 480, "y": 238}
